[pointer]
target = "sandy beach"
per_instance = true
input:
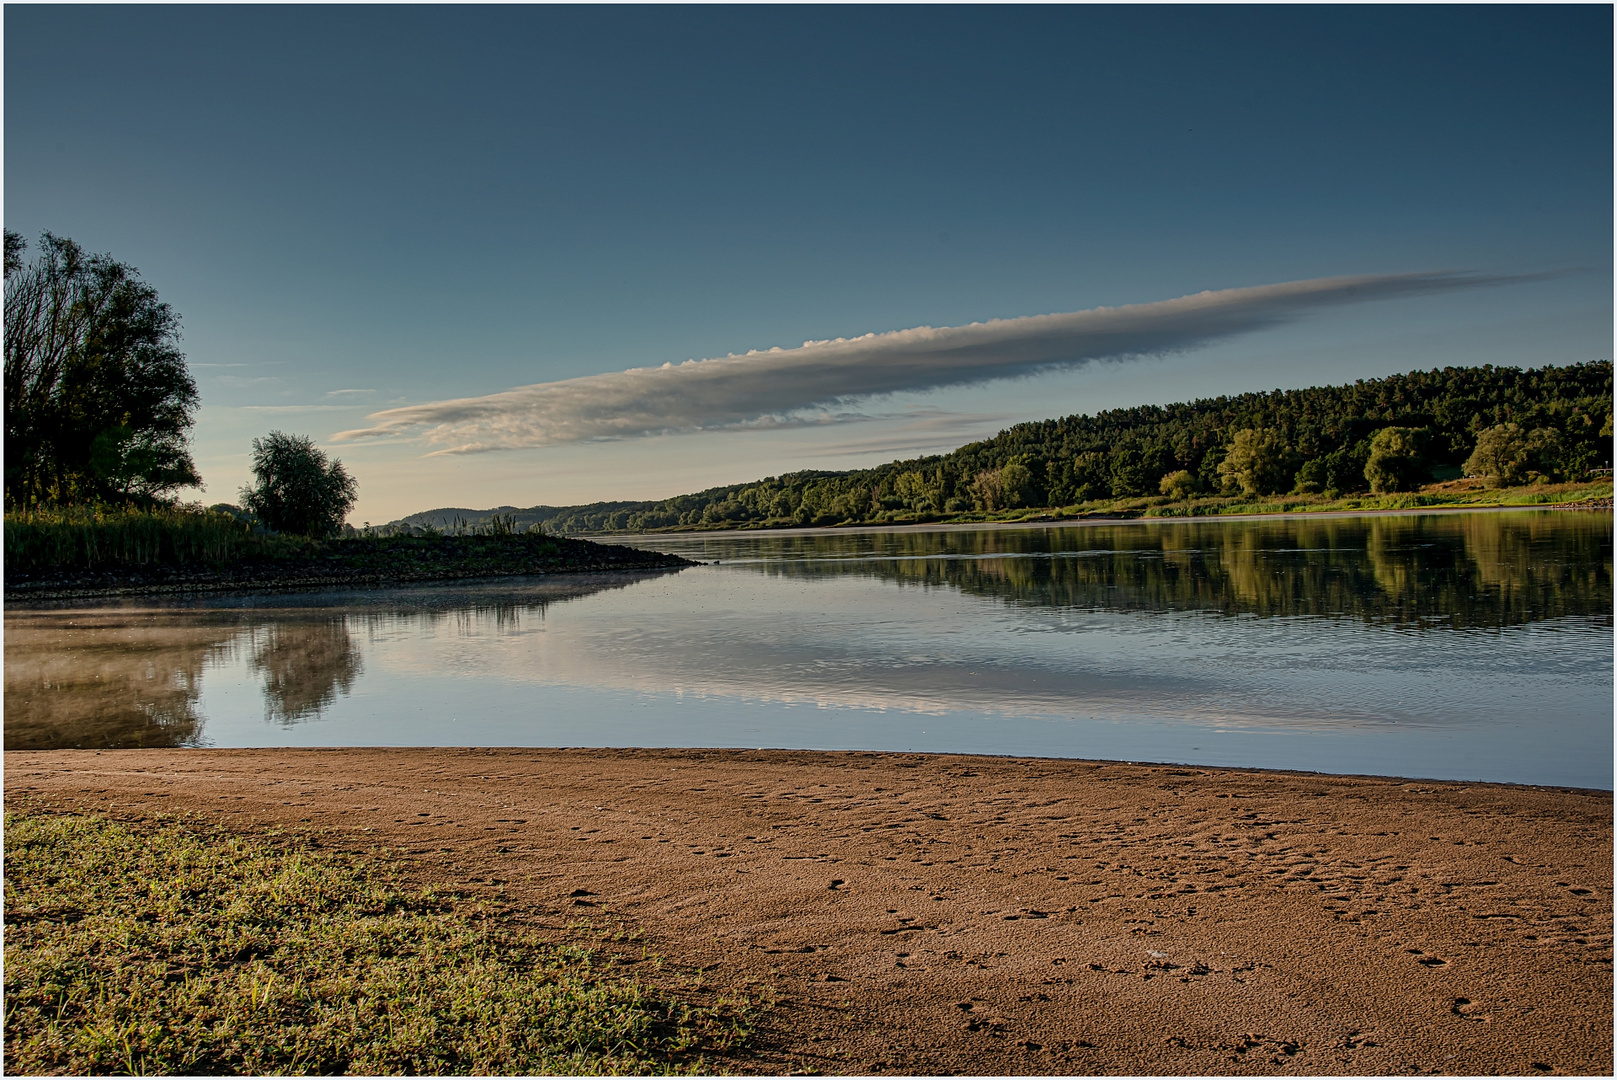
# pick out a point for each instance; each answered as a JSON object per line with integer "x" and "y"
{"x": 924, "y": 913}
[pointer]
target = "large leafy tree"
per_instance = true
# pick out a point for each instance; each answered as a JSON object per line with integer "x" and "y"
{"x": 1397, "y": 459}
{"x": 296, "y": 488}
{"x": 99, "y": 402}
{"x": 1257, "y": 462}
{"x": 1506, "y": 455}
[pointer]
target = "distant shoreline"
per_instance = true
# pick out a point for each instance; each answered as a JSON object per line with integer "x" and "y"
{"x": 1080, "y": 521}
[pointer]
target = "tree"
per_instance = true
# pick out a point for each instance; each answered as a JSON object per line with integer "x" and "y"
{"x": 1506, "y": 455}
{"x": 1309, "y": 441}
{"x": 1091, "y": 477}
{"x": 296, "y": 488}
{"x": 1019, "y": 482}
{"x": 1131, "y": 473}
{"x": 1397, "y": 459}
{"x": 987, "y": 490}
{"x": 1545, "y": 453}
{"x": 1256, "y": 462}
{"x": 916, "y": 492}
{"x": 140, "y": 466}
{"x": 99, "y": 402}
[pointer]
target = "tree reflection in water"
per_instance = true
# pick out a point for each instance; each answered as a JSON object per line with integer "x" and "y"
{"x": 95, "y": 681}
{"x": 104, "y": 681}
{"x": 1463, "y": 571}
{"x": 129, "y": 674}
{"x": 305, "y": 666}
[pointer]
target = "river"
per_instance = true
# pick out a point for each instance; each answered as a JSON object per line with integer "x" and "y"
{"x": 1439, "y": 645}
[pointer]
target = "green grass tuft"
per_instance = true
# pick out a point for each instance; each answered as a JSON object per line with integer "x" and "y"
{"x": 175, "y": 950}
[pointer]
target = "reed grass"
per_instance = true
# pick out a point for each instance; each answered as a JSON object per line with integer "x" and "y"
{"x": 172, "y": 949}
{"x": 90, "y": 537}
{"x": 98, "y": 537}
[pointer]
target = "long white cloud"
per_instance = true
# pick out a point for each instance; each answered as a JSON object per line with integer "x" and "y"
{"x": 772, "y": 386}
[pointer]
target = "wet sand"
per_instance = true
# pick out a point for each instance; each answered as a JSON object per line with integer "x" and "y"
{"x": 936, "y": 913}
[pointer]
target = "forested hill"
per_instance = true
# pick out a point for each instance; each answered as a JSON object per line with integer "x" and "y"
{"x": 1508, "y": 424}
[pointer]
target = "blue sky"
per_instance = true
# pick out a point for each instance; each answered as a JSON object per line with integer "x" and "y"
{"x": 380, "y": 208}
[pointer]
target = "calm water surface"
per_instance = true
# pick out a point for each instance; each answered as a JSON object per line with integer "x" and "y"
{"x": 1466, "y": 646}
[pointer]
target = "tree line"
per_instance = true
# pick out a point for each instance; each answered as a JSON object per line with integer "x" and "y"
{"x": 1506, "y": 425}
{"x": 100, "y": 403}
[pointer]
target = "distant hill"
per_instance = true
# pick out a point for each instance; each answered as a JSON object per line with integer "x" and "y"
{"x": 447, "y": 517}
{"x": 1312, "y": 441}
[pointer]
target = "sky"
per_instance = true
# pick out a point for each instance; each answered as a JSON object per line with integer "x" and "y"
{"x": 516, "y": 255}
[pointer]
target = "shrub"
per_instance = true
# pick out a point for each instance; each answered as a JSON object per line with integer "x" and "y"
{"x": 1178, "y": 485}
{"x": 1312, "y": 478}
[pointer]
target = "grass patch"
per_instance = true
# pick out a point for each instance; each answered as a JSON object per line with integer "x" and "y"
{"x": 173, "y": 949}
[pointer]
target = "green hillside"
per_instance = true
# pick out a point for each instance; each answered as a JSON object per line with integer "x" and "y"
{"x": 1508, "y": 427}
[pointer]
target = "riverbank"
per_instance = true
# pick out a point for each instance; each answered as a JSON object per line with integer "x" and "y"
{"x": 1452, "y": 495}
{"x": 356, "y": 562}
{"x": 922, "y": 913}
{"x": 1094, "y": 519}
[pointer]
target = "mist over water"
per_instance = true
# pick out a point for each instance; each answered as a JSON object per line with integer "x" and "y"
{"x": 1462, "y": 646}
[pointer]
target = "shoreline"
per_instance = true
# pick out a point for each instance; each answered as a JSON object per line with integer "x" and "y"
{"x": 260, "y": 578}
{"x": 952, "y": 913}
{"x": 1072, "y": 522}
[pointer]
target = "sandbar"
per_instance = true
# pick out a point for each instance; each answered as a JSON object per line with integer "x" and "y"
{"x": 923, "y": 913}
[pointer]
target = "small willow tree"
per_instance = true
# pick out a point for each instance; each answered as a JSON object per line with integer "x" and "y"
{"x": 296, "y": 488}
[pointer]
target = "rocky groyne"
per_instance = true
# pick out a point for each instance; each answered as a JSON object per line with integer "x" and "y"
{"x": 345, "y": 563}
